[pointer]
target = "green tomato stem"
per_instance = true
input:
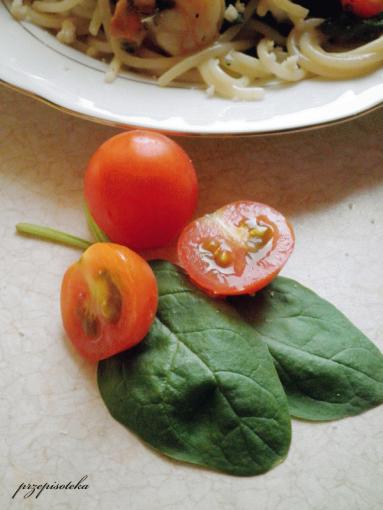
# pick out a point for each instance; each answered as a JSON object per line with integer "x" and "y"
{"x": 50, "y": 234}
{"x": 95, "y": 230}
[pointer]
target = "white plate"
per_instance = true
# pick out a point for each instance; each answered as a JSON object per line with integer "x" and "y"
{"x": 33, "y": 60}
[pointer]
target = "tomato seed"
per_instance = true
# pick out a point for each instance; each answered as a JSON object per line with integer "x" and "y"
{"x": 257, "y": 232}
{"x": 211, "y": 245}
{"x": 223, "y": 258}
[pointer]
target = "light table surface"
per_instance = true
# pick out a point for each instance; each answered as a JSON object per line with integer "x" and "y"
{"x": 54, "y": 426}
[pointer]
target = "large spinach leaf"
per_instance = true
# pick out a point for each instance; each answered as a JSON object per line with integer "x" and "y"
{"x": 328, "y": 367}
{"x": 200, "y": 388}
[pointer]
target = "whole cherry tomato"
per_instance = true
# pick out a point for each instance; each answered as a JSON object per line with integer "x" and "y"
{"x": 108, "y": 300}
{"x": 363, "y": 8}
{"x": 236, "y": 250}
{"x": 141, "y": 189}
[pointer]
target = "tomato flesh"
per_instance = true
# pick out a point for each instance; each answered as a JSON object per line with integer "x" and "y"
{"x": 108, "y": 300}
{"x": 238, "y": 249}
{"x": 364, "y": 8}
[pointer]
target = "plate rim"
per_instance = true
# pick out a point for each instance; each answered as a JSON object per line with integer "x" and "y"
{"x": 191, "y": 134}
{"x": 10, "y": 79}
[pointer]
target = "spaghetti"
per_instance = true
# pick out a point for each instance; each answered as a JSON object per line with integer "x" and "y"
{"x": 229, "y": 47}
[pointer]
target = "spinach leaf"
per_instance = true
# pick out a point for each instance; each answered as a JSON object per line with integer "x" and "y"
{"x": 200, "y": 388}
{"x": 328, "y": 367}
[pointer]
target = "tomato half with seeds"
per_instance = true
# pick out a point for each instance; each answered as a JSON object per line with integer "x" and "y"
{"x": 108, "y": 300}
{"x": 238, "y": 249}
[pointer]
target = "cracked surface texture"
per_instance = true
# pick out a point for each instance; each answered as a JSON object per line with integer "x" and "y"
{"x": 54, "y": 426}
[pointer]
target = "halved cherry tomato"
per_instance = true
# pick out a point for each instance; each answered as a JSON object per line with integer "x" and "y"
{"x": 363, "y": 8}
{"x": 236, "y": 250}
{"x": 141, "y": 189}
{"x": 108, "y": 300}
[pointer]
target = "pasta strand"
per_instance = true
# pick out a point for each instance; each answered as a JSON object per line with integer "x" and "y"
{"x": 234, "y": 65}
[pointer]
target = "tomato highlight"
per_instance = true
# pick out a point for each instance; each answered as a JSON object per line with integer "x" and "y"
{"x": 238, "y": 249}
{"x": 108, "y": 300}
{"x": 141, "y": 189}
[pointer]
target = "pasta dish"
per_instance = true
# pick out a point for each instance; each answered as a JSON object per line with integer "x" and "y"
{"x": 233, "y": 48}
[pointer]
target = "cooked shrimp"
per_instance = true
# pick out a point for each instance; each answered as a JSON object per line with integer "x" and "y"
{"x": 187, "y": 25}
{"x": 175, "y": 26}
{"x": 127, "y": 19}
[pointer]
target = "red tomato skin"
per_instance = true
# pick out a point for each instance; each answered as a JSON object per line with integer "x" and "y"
{"x": 363, "y": 8}
{"x": 254, "y": 276}
{"x": 137, "y": 286}
{"x": 141, "y": 188}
